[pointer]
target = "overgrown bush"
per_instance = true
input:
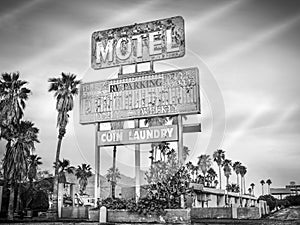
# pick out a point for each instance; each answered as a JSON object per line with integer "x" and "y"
{"x": 119, "y": 203}
{"x": 40, "y": 201}
{"x": 283, "y": 203}
{"x": 168, "y": 183}
{"x": 293, "y": 200}
{"x": 271, "y": 201}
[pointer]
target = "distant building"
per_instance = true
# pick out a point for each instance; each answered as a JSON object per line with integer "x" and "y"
{"x": 290, "y": 189}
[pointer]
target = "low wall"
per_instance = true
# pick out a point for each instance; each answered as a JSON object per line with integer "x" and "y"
{"x": 171, "y": 216}
{"x": 94, "y": 215}
{"x": 225, "y": 213}
{"x": 215, "y": 212}
{"x": 248, "y": 213}
{"x": 74, "y": 212}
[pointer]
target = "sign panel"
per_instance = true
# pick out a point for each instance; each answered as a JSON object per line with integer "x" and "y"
{"x": 143, "y": 42}
{"x": 137, "y": 135}
{"x": 156, "y": 94}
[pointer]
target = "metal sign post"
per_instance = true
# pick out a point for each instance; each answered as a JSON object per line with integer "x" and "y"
{"x": 97, "y": 164}
{"x": 180, "y": 139}
{"x": 137, "y": 165}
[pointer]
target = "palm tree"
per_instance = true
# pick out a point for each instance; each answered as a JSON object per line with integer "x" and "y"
{"x": 262, "y": 182}
{"x": 151, "y": 122}
{"x": 64, "y": 89}
{"x": 252, "y": 186}
{"x": 211, "y": 176}
{"x": 15, "y": 163}
{"x": 63, "y": 168}
{"x": 243, "y": 171}
{"x": 227, "y": 170}
{"x": 112, "y": 176}
{"x": 236, "y": 167}
{"x": 13, "y": 96}
{"x": 82, "y": 173}
{"x": 250, "y": 190}
{"x": 34, "y": 162}
{"x": 219, "y": 157}
{"x": 204, "y": 163}
{"x": 216, "y": 183}
{"x": 115, "y": 126}
{"x": 269, "y": 182}
{"x": 186, "y": 152}
{"x": 192, "y": 170}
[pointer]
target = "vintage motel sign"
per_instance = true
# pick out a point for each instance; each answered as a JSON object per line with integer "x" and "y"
{"x": 156, "y": 94}
{"x": 143, "y": 42}
{"x": 138, "y": 135}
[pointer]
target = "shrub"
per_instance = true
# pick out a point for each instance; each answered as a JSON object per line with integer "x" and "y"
{"x": 40, "y": 201}
{"x": 293, "y": 200}
{"x": 118, "y": 203}
{"x": 271, "y": 201}
{"x": 283, "y": 203}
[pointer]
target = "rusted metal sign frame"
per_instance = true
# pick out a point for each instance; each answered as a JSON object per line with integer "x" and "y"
{"x": 141, "y": 135}
{"x": 192, "y": 128}
{"x": 143, "y": 42}
{"x": 160, "y": 94}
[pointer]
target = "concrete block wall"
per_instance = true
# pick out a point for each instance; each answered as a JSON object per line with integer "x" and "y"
{"x": 248, "y": 213}
{"x": 216, "y": 212}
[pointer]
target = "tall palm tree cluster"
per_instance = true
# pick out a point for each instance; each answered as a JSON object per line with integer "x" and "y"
{"x": 203, "y": 172}
{"x": 208, "y": 175}
{"x": 20, "y": 135}
{"x": 268, "y": 182}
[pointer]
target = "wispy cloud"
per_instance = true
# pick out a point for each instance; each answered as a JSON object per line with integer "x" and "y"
{"x": 253, "y": 41}
{"x": 16, "y": 13}
{"x": 212, "y": 15}
{"x": 82, "y": 35}
{"x": 239, "y": 131}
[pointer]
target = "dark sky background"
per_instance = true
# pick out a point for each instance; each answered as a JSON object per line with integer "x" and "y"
{"x": 247, "y": 51}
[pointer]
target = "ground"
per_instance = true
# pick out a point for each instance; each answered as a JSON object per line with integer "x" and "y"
{"x": 290, "y": 213}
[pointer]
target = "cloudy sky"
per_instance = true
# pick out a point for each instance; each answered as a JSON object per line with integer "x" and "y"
{"x": 247, "y": 52}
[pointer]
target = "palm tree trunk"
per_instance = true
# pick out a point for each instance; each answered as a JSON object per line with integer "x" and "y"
{"x": 18, "y": 207}
{"x": 220, "y": 179}
{"x": 152, "y": 154}
{"x": 10, "y": 213}
{"x": 244, "y": 181}
{"x": 113, "y": 183}
{"x": 227, "y": 183}
{"x": 242, "y": 187}
{"x": 262, "y": 189}
{"x": 62, "y": 131}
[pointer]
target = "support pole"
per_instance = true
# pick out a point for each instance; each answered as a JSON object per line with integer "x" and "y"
{"x": 97, "y": 165}
{"x": 113, "y": 186}
{"x": 120, "y": 70}
{"x": 151, "y": 66}
{"x": 180, "y": 139}
{"x": 137, "y": 165}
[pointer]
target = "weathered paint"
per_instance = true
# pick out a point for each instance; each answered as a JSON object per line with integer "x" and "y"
{"x": 143, "y": 42}
{"x": 155, "y": 94}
